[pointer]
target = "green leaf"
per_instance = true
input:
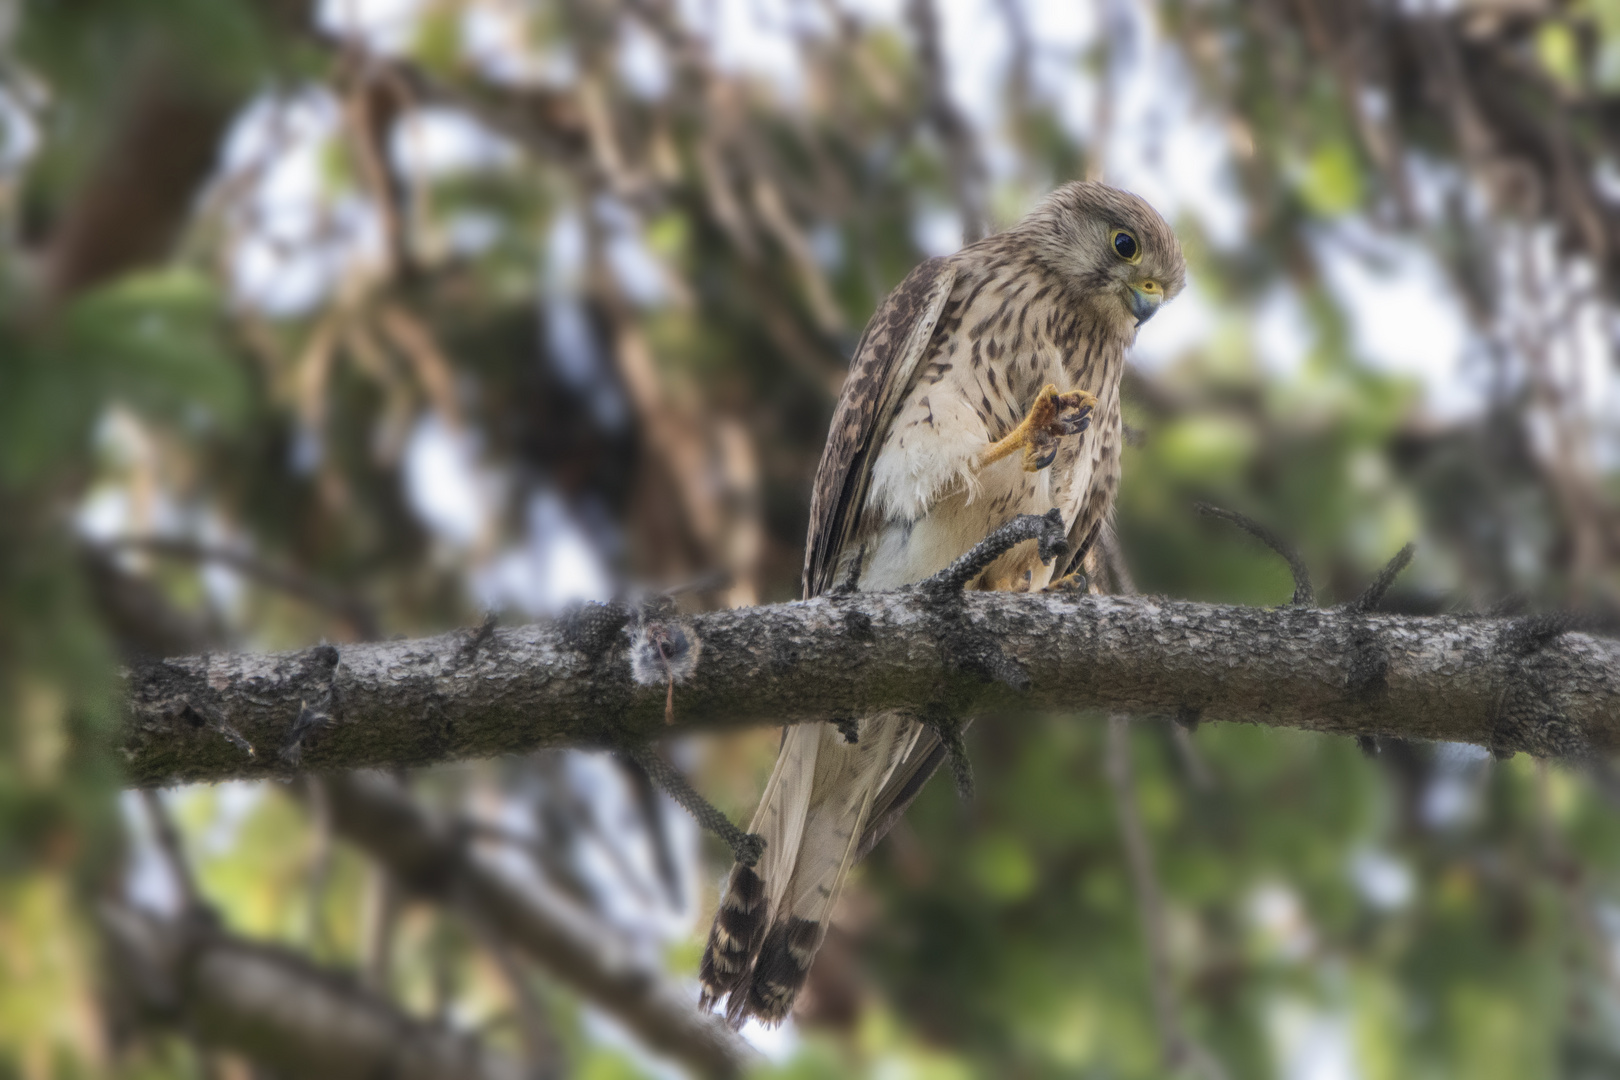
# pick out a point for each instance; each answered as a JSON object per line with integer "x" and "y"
{"x": 1331, "y": 184}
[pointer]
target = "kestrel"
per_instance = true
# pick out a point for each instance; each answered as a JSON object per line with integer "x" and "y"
{"x": 950, "y": 423}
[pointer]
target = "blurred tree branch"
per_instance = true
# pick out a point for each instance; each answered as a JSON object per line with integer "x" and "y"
{"x": 429, "y": 855}
{"x": 1177, "y": 1046}
{"x": 1510, "y": 684}
{"x": 275, "y": 1006}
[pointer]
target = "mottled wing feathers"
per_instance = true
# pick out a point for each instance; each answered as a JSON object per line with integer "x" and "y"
{"x": 884, "y": 362}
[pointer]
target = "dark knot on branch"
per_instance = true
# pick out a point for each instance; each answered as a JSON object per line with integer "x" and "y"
{"x": 321, "y": 664}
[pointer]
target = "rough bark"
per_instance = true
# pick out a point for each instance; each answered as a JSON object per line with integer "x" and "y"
{"x": 1526, "y": 684}
{"x": 426, "y": 855}
{"x": 276, "y": 1008}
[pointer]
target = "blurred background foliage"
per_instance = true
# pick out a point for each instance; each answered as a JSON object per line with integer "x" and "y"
{"x": 359, "y": 318}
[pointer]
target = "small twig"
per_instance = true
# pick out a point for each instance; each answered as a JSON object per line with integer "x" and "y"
{"x": 1047, "y": 531}
{"x": 1178, "y": 1048}
{"x": 949, "y": 730}
{"x": 1374, "y": 593}
{"x": 379, "y": 918}
{"x": 962, "y": 160}
{"x": 1197, "y": 769}
{"x": 535, "y": 848}
{"x": 478, "y": 638}
{"x": 540, "y": 1045}
{"x": 320, "y": 861}
{"x": 1304, "y": 593}
{"x": 713, "y": 581}
{"x": 168, "y": 841}
{"x": 283, "y": 579}
{"x": 745, "y": 847}
{"x": 645, "y": 794}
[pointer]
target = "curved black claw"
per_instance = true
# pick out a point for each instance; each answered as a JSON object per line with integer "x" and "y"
{"x": 1074, "y": 411}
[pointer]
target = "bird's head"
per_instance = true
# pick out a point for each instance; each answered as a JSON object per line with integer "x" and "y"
{"x": 1115, "y": 248}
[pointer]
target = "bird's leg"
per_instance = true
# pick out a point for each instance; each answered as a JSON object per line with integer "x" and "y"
{"x": 1046, "y": 530}
{"x": 1053, "y": 416}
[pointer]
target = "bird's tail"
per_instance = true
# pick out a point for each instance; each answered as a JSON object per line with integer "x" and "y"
{"x": 773, "y": 916}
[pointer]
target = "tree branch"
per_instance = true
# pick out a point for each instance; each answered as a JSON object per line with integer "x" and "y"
{"x": 427, "y": 855}
{"x": 1177, "y": 1047}
{"x": 1304, "y": 594}
{"x": 276, "y": 1007}
{"x": 404, "y": 703}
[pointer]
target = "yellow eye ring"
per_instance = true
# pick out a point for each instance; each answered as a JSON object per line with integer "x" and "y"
{"x": 1125, "y": 246}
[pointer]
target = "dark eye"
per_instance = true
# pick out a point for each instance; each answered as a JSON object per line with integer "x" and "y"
{"x": 1125, "y": 245}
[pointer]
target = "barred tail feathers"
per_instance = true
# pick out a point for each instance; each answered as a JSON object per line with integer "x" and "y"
{"x": 753, "y": 894}
{"x": 847, "y": 780}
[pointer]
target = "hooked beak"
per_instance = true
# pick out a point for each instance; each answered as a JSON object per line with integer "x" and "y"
{"x": 1145, "y": 299}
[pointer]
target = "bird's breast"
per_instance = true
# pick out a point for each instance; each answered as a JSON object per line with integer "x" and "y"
{"x": 999, "y": 343}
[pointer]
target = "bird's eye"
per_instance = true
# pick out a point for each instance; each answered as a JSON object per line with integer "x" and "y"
{"x": 1125, "y": 246}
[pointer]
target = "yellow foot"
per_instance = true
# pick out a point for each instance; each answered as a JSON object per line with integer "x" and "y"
{"x": 1053, "y": 416}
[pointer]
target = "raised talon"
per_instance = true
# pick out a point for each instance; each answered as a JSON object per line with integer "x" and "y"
{"x": 1074, "y": 411}
{"x": 1050, "y": 418}
{"x": 1040, "y": 451}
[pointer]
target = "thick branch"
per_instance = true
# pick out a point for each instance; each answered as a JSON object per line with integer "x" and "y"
{"x": 277, "y": 1008}
{"x": 1468, "y": 679}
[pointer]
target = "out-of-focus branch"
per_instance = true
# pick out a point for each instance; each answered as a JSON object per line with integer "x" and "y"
{"x": 135, "y": 200}
{"x": 275, "y": 1007}
{"x": 168, "y": 842}
{"x": 346, "y": 605}
{"x": 1178, "y": 1048}
{"x": 966, "y": 168}
{"x": 379, "y": 919}
{"x": 708, "y": 464}
{"x": 540, "y": 1047}
{"x": 371, "y": 103}
{"x": 426, "y": 854}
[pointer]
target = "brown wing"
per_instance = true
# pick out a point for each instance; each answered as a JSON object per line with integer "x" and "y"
{"x": 1093, "y": 516}
{"x": 885, "y": 359}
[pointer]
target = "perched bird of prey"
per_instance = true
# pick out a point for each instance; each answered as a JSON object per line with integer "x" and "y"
{"x": 967, "y": 403}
